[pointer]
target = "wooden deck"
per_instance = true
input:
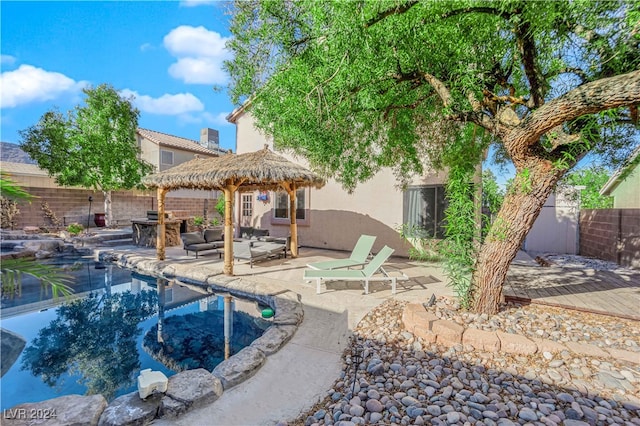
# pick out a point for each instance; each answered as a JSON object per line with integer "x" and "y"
{"x": 606, "y": 292}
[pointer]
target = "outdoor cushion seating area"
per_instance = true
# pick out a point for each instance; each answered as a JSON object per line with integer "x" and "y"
{"x": 249, "y": 232}
{"x": 258, "y": 250}
{"x": 209, "y": 239}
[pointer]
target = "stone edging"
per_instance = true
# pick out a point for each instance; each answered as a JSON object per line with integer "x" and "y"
{"x": 432, "y": 329}
{"x": 189, "y": 389}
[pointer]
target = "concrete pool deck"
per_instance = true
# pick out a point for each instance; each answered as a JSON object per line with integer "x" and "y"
{"x": 297, "y": 376}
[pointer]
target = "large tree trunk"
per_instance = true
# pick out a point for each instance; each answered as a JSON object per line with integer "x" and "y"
{"x": 522, "y": 205}
{"x": 108, "y": 211}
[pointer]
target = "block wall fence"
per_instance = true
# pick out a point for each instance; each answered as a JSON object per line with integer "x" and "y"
{"x": 611, "y": 234}
{"x": 72, "y": 205}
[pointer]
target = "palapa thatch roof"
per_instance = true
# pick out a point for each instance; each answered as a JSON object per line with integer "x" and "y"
{"x": 259, "y": 170}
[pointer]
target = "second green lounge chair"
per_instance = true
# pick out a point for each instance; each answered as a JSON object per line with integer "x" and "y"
{"x": 365, "y": 274}
{"x": 358, "y": 257}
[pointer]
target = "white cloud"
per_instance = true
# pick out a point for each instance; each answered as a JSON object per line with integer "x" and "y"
{"x": 7, "y": 59}
{"x": 146, "y": 46}
{"x": 200, "y": 55}
{"x": 30, "y": 84}
{"x": 206, "y": 118}
{"x": 166, "y": 104}
{"x": 194, "y": 3}
{"x": 198, "y": 71}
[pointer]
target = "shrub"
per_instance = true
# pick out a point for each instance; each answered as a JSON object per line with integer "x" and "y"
{"x": 75, "y": 228}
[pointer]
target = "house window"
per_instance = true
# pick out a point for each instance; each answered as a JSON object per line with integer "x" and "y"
{"x": 166, "y": 157}
{"x": 281, "y": 205}
{"x": 247, "y": 206}
{"x": 424, "y": 208}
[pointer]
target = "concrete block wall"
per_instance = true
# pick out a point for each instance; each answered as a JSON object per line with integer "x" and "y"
{"x": 72, "y": 205}
{"x": 611, "y": 234}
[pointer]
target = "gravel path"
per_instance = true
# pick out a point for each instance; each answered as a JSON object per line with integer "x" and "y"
{"x": 403, "y": 380}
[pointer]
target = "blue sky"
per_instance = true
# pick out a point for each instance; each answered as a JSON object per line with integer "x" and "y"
{"x": 167, "y": 54}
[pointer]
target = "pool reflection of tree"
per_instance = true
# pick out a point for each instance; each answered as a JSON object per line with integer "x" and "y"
{"x": 96, "y": 338}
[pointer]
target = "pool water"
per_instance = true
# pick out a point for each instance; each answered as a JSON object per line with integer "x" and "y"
{"x": 99, "y": 341}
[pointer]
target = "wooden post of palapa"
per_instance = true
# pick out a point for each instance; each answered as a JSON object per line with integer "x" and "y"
{"x": 160, "y": 230}
{"x": 229, "y": 192}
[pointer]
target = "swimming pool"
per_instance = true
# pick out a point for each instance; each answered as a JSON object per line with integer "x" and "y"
{"x": 118, "y": 323}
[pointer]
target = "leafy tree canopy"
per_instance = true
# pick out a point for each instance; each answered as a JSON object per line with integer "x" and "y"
{"x": 356, "y": 86}
{"x": 359, "y": 85}
{"x": 92, "y": 146}
{"x": 590, "y": 180}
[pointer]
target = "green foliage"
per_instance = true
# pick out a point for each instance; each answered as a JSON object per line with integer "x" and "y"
{"x": 10, "y": 189}
{"x": 358, "y": 86}
{"x": 362, "y": 85}
{"x": 220, "y": 205}
{"x": 214, "y": 222}
{"x": 592, "y": 178}
{"x": 499, "y": 230}
{"x": 198, "y": 220}
{"x": 13, "y": 270}
{"x": 492, "y": 193}
{"x": 422, "y": 248}
{"x": 75, "y": 228}
{"x": 461, "y": 156}
{"x": 93, "y": 146}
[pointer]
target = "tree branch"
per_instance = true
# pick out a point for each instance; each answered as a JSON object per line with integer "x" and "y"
{"x": 527, "y": 47}
{"x": 439, "y": 87}
{"x": 398, "y": 10}
{"x": 607, "y": 93}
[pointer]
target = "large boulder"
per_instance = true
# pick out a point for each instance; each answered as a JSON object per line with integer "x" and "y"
{"x": 274, "y": 338}
{"x": 239, "y": 367}
{"x": 76, "y": 410}
{"x": 130, "y": 410}
{"x": 190, "y": 389}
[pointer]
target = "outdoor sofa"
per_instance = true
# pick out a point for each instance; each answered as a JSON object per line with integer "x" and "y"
{"x": 259, "y": 250}
{"x": 209, "y": 239}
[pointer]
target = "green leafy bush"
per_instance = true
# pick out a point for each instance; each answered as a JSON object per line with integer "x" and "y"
{"x": 75, "y": 228}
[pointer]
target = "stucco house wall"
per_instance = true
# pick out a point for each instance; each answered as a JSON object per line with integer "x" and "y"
{"x": 334, "y": 218}
{"x": 624, "y": 184}
{"x": 626, "y": 194}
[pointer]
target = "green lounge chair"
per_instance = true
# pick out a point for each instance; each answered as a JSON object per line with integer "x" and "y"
{"x": 365, "y": 274}
{"x": 358, "y": 257}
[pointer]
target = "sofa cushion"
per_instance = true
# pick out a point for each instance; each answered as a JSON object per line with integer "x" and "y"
{"x": 212, "y": 235}
{"x": 260, "y": 232}
{"x": 246, "y": 232}
{"x": 189, "y": 238}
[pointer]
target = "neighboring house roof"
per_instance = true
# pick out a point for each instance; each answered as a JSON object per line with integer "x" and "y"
{"x": 22, "y": 169}
{"x": 620, "y": 174}
{"x": 177, "y": 142}
{"x": 233, "y": 116}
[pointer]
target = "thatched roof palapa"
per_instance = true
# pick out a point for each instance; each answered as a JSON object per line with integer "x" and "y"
{"x": 261, "y": 170}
